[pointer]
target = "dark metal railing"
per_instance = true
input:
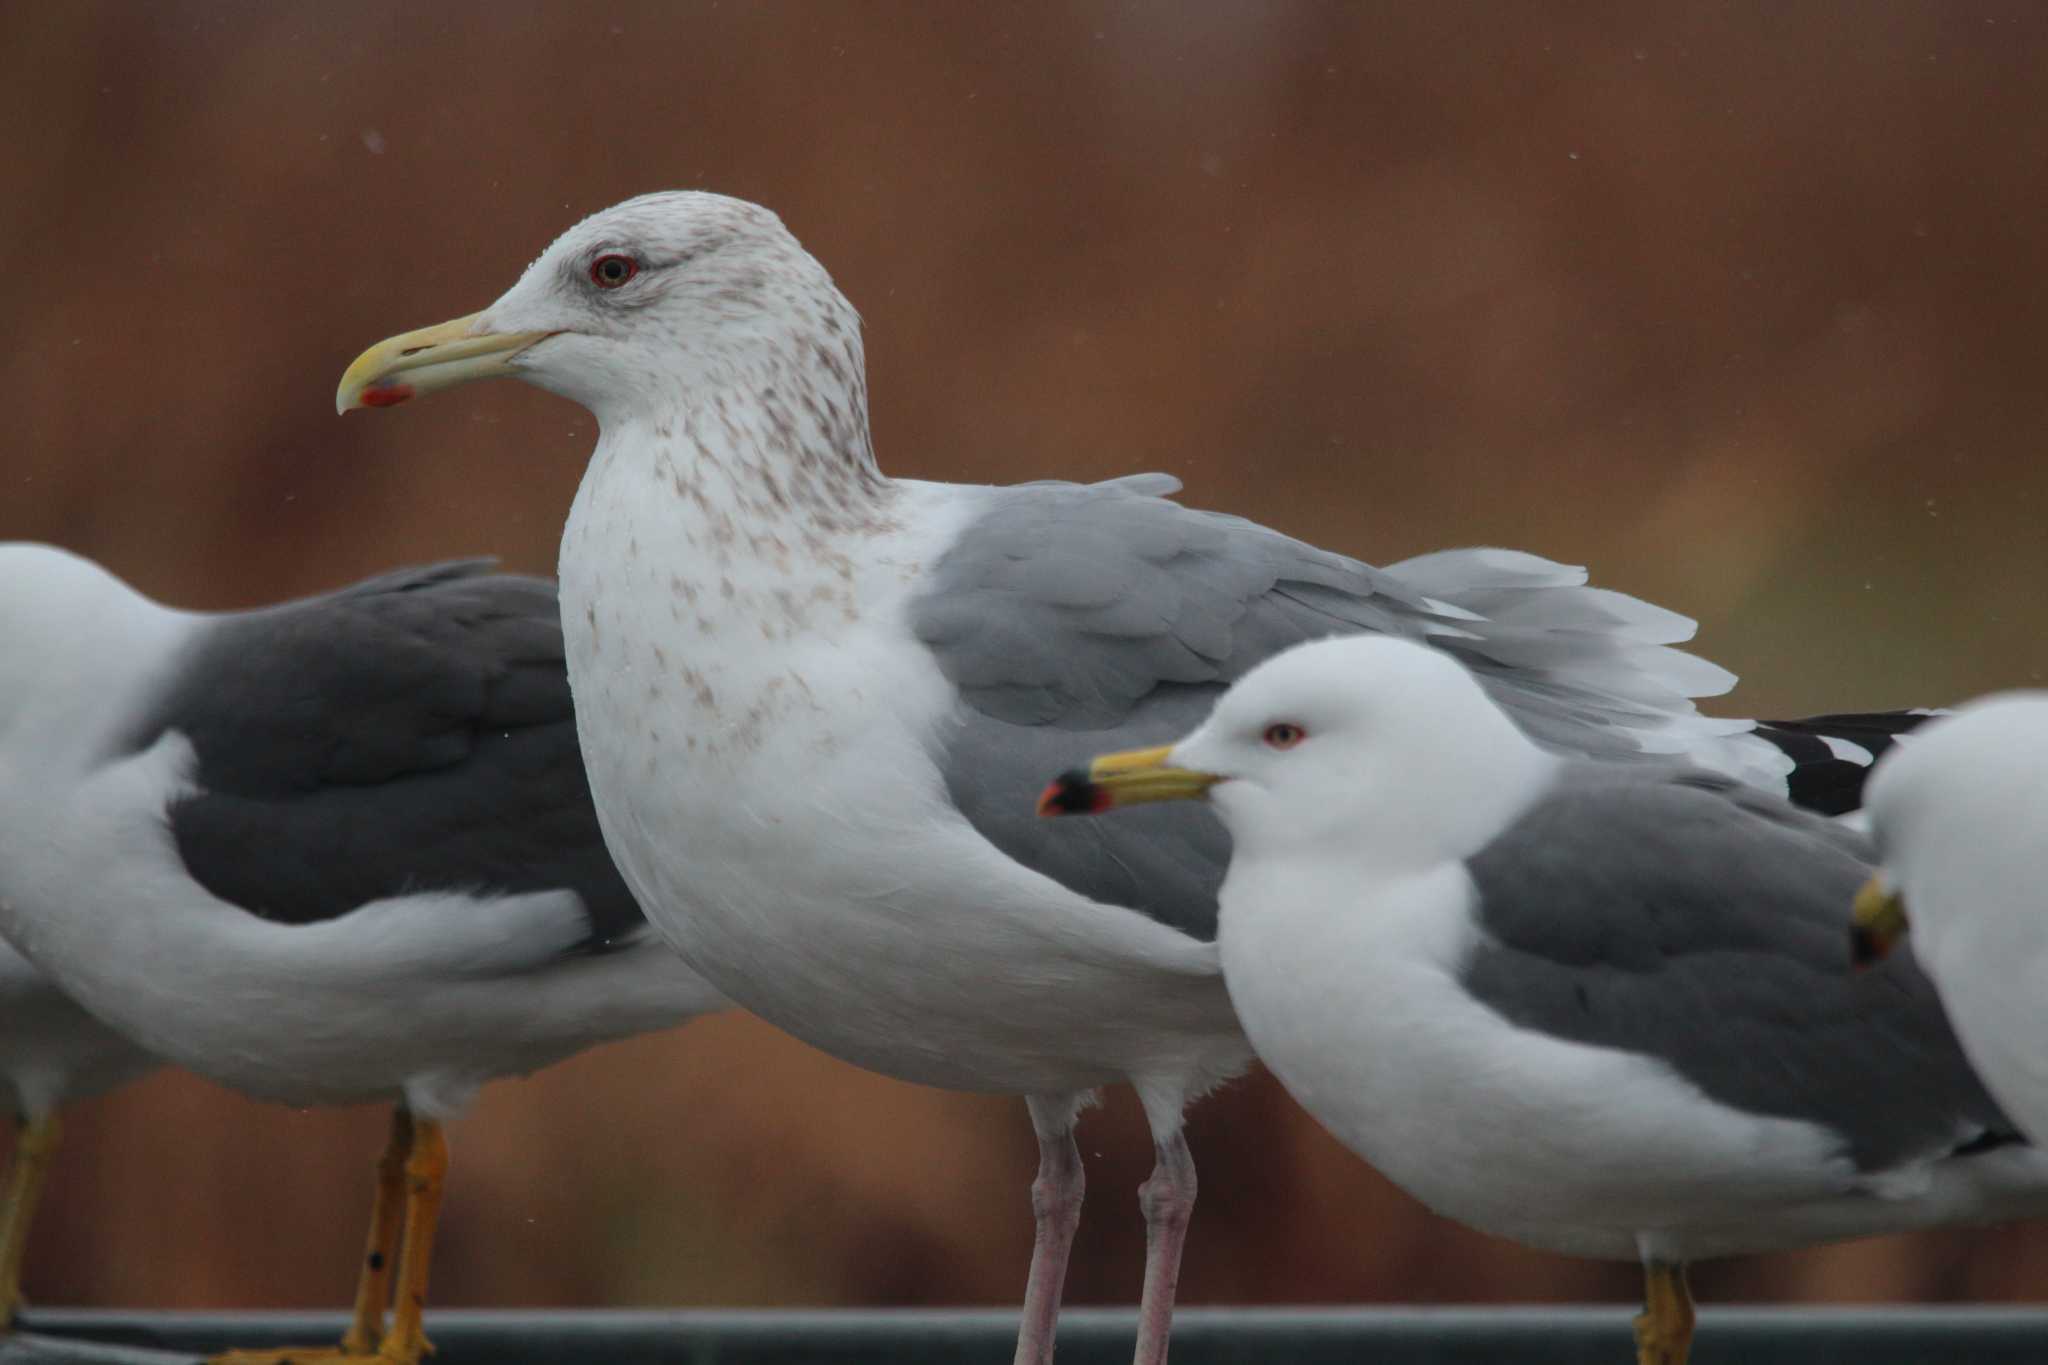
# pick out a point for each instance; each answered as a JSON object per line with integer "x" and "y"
{"x": 1202, "y": 1336}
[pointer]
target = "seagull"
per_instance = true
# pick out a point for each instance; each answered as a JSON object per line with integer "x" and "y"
{"x": 1960, "y": 817}
{"x": 52, "y": 1052}
{"x": 816, "y": 701}
{"x": 327, "y": 852}
{"x": 1599, "y": 1009}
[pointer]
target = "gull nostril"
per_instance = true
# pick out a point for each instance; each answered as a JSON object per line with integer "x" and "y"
{"x": 415, "y": 350}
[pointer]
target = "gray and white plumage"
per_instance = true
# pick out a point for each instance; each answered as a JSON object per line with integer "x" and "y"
{"x": 1109, "y": 610}
{"x": 1682, "y": 917}
{"x": 1601, "y": 1010}
{"x": 408, "y": 733}
{"x": 1960, "y": 816}
{"x": 334, "y": 850}
{"x": 816, "y": 702}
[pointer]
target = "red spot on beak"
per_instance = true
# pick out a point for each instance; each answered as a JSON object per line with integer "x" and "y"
{"x": 386, "y": 395}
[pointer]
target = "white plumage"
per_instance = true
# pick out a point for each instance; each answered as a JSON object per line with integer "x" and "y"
{"x": 1960, "y": 815}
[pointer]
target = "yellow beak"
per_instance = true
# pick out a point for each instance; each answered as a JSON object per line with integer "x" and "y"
{"x": 1126, "y": 779}
{"x": 430, "y": 359}
{"x": 1877, "y": 922}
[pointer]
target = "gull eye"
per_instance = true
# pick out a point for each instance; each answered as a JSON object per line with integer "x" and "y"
{"x": 1283, "y": 736}
{"x": 612, "y": 270}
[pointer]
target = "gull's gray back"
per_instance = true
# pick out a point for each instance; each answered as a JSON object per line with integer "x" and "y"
{"x": 1680, "y": 915}
{"x": 411, "y": 733}
{"x": 1080, "y": 618}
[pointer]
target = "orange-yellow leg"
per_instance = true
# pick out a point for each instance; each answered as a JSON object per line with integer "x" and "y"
{"x": 426, "y": 1178}
{"x": 1664, "y": 1327}
{"x": 387, "y": 1218}
{"x": 34, "y": 1146}
{"x": 373, "y": 1286}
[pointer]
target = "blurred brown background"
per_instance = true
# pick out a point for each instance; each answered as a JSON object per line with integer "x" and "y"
{"x": 1740, "y": 304}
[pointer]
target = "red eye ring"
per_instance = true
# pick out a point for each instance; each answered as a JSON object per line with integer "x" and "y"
{"x": 1283, "y": 735}
{"x": 613, "y": 269}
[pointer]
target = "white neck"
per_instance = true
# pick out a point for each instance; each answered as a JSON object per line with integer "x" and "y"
{"x": 726, "y": 534}
{"x": 747, "y": 464}
{"x": 727, "y": 556}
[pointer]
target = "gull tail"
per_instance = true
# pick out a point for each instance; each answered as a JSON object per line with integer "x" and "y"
{"x": 1832, "y": 755}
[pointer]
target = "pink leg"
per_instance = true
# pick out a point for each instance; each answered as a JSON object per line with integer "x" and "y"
{"x": 1167, "y": 1199}
{"x": 1056, "y": 1206}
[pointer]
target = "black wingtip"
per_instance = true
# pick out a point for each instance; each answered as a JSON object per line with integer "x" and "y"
{"x": 1072, "y": 793}
{"x": 1822, "y": 779}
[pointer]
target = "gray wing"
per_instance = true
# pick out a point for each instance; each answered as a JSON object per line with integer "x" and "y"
{"x": 1683, "y": 916}
{"x": 1078, "y": 618}
{"x": 411, "y": 733}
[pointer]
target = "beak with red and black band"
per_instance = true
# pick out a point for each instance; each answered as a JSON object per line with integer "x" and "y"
{"x": 1877, "y": 922}
{"x": 1125, "y": 779}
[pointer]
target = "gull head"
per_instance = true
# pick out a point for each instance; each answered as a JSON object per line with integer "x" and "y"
{"x": 635, "y": 310}
{"x": 1361, "y": 745}
{"x": 1959, "y": 813}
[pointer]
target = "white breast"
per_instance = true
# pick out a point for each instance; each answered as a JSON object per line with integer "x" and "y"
{"x": 759, "y": 740}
